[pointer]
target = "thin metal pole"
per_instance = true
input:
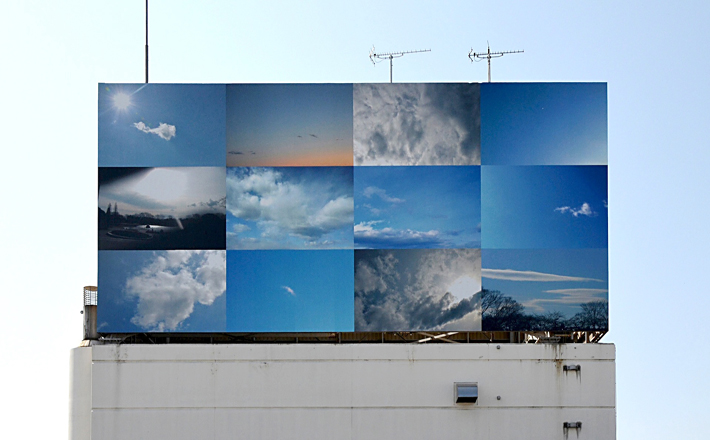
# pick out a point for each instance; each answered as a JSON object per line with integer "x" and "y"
{"x": 489, "y": 62}
{"x": 146, "y": 41}
{"x": 391, "y": 68}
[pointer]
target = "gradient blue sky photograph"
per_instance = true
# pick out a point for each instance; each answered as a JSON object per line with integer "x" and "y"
{"x": 417, "y": 289}
{"x": 289, "y": 125}
{"x": 400, "y": 207}
{"x": 148, "y": 125}
{"x": 543, "y": 124}
{"x": 547, "y": 280}
{"x": 290, "y": 208}
{"x": 544, "y": 207}
{"x": 162, "y": 291}
{"x": 290, "y": 291}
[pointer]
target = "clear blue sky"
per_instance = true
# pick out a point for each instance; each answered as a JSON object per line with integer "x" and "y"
{"x": 544, "y": 124}
{"x": 417, "y": 207}
{"x": 161, "y": 125}
{"x": 526, "y": 207}
{"x": 653, "y": 55}
{"x": 287, "y": 291}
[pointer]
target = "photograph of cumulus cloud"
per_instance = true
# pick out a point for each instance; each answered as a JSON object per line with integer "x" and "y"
{"x": 162, "y": 291}
{"x": 416, "y": 124}
{"x": 168, "y": 125}
{"x": 290, "y": 208}
{"x": 417, "y": 289}
{"x": 162, "y": 208}
{"x": 276, "y": 125}
{"x": 545, "y": 289}
{"x": 417, "y": 207}
{"x": 544, "y": 124}
{"x": 544, "y": 207}
{"x": 290, "y": 291}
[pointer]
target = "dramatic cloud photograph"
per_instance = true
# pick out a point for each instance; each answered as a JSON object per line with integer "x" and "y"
{"x": 290, "y": 291}
{"x": 170, "y": 125}
{"x": 543, "y": 124}
{"x": 418, "y": 289}
{"x": 401, "y": 207}
{"x": 544, "y": 207}
{"x": 162, "y": 208}
{"x": 165, "y": 291}
{"x": 290, "y": 208}
{"x": 277, "y": 125}
{"x": 545, "y": 289}
{"x": 416, "y": 124}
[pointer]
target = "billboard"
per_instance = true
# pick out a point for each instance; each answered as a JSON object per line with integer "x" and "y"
{"x": 352, "y": 207}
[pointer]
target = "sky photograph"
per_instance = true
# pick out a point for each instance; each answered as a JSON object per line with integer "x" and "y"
{"x": 547, "y": 280}
{"x": 544, "y": 124}
{"x": 148, "y": 125}
{"x": 162, "y": 208}
{"x": 416, "y": 124}
{"x": 277, "y": 125}
{"x": 162, "y": 291}
{"x": 417, "y": 289}
{"x": 544, "y": 207}
{"x": 290, "y": 291}
{"x": 290, "y": 208}
{"x": 399, "y": 207}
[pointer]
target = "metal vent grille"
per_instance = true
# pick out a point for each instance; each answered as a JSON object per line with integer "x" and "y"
{"x": 91, "y": 296}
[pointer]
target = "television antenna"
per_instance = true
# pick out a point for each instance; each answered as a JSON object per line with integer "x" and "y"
{"x": 474, "y": 56}
{"x": 390, "y": 55}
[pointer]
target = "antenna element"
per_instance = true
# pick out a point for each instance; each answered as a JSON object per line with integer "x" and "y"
{"x": 473, "y": 56}
{"x": 390, "y": 55}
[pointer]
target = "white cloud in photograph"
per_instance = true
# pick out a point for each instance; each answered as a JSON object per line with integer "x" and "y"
{"x": 416, "y": 124}
{"x": 165, "y": 131}
{"x": 170, "y": 286}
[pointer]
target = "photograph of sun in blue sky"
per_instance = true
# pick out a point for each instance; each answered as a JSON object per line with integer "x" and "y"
{"x": 277, "y": 125}
{"x": 162, "y": 291}
{"x": 416, "y": 124}
{"x": 162, "y": 208}
{"x": 401, "y": 207}
{"x": 544, "y": 207}
{"x": 167, "y": 125}
{"x": 290, "y": 208}
{"x": 417, "y": 289}
{"x": 290, "y": 291}
{"x": 543, "y": 124}
{"x": 545, "y": 289}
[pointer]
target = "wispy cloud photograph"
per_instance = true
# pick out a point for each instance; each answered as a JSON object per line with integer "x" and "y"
{"x": 417, "y": 289}
{"x": 416, "y": 124}
{"x": 162, "y": 291}
{"x": 162, "y": 208}
{"x": 545, "y": 289}
{"x": 290, "y": 291}
{"x": 276, "y": 125}
{"x": 409, "y": 207}
{"x": 544, "y": 207}
{"x": 290, "y": 208}
{"x": 544, "y": 124}
{"x": 170, "y": 125}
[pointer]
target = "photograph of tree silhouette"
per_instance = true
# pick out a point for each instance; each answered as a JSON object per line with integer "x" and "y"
{"x": 544, "y": 289}
{"x": 162, "y": 208}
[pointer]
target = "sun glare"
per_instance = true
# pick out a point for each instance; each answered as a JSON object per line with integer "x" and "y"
{"x": 464, "y": 287}
{"x": 121, "y": 101}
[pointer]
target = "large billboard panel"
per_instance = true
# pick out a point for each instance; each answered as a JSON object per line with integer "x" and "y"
{"x": 352, "y": 207}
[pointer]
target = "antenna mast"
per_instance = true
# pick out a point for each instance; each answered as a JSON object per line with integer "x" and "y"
{"x": 390, "y": 55}
{"x": 146, "y": 41}
{"x": 473, "y": 56}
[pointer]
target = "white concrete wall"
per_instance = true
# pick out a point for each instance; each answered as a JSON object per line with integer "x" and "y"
{"x": 349, "y": 391}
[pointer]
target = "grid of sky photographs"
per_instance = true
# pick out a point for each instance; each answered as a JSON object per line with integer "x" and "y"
{"x": 352, "y": 207}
